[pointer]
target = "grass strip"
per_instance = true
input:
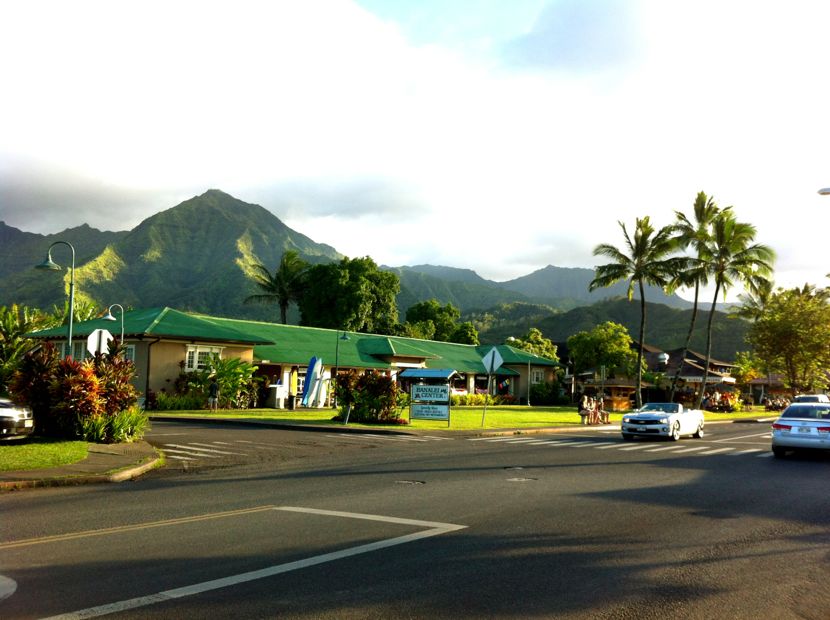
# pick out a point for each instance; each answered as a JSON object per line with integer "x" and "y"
{"x": 40, "y": 453}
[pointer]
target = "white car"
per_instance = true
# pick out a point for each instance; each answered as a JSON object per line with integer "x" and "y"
{"x": 670, "y": 420}
{"x": 802, "y": 425}
{"x": 14, "y": 420}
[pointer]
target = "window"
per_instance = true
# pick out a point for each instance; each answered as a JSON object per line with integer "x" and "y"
{"x": 197, "y": 357}
{"x": 79, "y": 351}
{"x": 129, "y": 352}
{"x": 537, "y": 376}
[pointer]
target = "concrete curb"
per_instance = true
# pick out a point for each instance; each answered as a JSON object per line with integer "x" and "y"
{"x": 118, "y": 475}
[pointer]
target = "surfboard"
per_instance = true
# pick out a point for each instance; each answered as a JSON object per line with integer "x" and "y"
{"x": 320, "y": 392}
{"x": 309, "y": 379}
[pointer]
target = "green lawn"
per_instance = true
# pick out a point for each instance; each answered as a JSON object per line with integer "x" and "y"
{"x": 38, "y": 453}
{"x": 462, "y": 418}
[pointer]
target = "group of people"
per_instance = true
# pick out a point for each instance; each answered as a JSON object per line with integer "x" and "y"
{"x": 775, "y": 403}
{"x": 592, "y": 410}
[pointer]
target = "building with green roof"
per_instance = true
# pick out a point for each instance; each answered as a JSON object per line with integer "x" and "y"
{"x": 162, "y": 342}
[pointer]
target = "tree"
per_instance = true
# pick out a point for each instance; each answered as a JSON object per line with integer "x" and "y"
{"x": 646, "y": 259}
{"x": 15, "y": 322}
{"x": 693, "y": 234}
{"x": 430, "y": 320}
{"x": 608, "y": 344}
{"x": 792, "y": 335}
{"x": 534, "y": 342}
{"x": 285, "y": 286}
{"x": 733, "y": 258}
{"x": 352, "y": 294}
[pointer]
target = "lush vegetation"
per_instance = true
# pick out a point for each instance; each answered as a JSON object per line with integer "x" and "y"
{"x": 239, "y": 387}
{"x": 92, "y": 399}
{"x": 429, "y": 320}
{"x": 371, "y": 397}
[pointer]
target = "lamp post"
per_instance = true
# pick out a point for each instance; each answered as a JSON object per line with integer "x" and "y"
{"x": 110, "y": 317}
{"x": 52, "y": 266}
{"x": 344, "y": 337}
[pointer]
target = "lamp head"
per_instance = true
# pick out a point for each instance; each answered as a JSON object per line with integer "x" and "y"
{"x": 48, "y": 264}
{"x": 109, "y": 316}
{"x": 824, "y": 191}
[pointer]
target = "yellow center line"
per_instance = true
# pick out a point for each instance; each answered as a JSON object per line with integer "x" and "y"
{"x": 129, "y": 528}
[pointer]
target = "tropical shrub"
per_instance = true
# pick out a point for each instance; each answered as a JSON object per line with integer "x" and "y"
{"x": 179, "y": 402}
{"x": 74, "y": 399}
{"x": 238, "y": 386}
{"x": 370, "y": 397}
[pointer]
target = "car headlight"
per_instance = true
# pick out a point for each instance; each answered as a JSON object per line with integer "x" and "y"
{"x": 626, "y": 419}
{"x": 664, "y": 420}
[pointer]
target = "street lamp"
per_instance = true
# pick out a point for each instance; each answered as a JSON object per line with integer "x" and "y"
{"x": 109, "y": 317}
{"x": 344, "y": 338}
{"x": 52, "y": 266}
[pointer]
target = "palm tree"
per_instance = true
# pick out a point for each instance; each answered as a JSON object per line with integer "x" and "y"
{"x": 693, "y": 234}
{"x": 644, "y": 260}
{"x": 733, "y": 258}
{"x": 286, "y": 285}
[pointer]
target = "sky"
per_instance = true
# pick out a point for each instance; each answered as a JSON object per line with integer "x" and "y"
{"x": 495, "y": 135}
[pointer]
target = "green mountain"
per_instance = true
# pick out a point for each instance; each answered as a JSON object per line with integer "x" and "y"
{"x": 193, "y": 256}
{"x": 666, "y": 327}
{"x": 567, "y": 287}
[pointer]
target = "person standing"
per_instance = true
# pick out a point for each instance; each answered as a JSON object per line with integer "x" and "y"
{"x": 213, "y": 394}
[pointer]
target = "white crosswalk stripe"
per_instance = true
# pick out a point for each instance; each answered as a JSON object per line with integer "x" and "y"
{"x": 193, "y": 454}
{"x": 198, "y": 447}
{"x": 627, "y": 446}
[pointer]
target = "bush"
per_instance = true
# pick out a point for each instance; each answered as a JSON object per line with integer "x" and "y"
{"x": 178, "y": 402}
{"x": 72, "y": 399}
{"x": 371, "y": 397}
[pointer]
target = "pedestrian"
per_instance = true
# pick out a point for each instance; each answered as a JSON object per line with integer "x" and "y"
{"x": 213, "y": 394}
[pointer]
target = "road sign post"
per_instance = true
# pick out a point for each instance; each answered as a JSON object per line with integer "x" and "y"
{"x": 492, "y": 361}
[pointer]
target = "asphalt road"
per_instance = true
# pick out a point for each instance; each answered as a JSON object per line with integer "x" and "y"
{"x": 263, "y": 523}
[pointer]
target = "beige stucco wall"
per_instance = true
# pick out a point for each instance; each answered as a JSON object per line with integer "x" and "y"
{"x": 165, "y": 359}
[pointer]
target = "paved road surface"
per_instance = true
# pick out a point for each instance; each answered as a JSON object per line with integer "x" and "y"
{"x": 300, "y": 525}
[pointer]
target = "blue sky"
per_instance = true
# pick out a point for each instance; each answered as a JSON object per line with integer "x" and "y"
{"x": 500, "y": 136}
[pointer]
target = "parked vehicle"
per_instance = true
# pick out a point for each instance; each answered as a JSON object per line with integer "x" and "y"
{"x": 802, "y": 426}
{"x": 812, "y": 398}
{"x": 670, "y": 420}
{"x": 15, "y": 420}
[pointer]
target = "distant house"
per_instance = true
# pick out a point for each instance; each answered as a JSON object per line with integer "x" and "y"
{"x": 162, "y": 342}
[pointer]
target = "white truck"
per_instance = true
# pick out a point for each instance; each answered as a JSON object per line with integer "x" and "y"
{"x": 670, "y": 420}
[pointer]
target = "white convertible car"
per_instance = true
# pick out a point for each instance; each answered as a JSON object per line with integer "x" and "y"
{"x": 662, "y": 420}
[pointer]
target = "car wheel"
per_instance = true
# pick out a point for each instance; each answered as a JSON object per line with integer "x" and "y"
{"x": 779, "y": 452}
{"x": 699, "y": 433}
{"x": 675, "y": 432}
{"x": 628, "y": 436}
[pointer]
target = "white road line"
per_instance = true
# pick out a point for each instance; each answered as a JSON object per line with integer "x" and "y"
{"x": 695, "y": 449}
{"x": 764, "y": 455}
{"x": 614, "y": 444}
{"x": 750, "y": 451}
{"x": 664, "y": 448}
{"x": 261, "y": 445}
{"x": 538, "y": 442}
{"x": 208, "y": 448}
{"x": 765, "y": 434}
{"x": 718, "y": 450}
{"x": 583, "y": 444}
{"x": 436, "y": 438}
{"x": 222, "y": 443}
{"x": 192, "y": 453}
{"x": 605, "y": 443}
{"x": 435, "y": 529}
{"x": 568, "y": 442}
{"x": 179, "y": 458}
{"x": 636, "y": 447}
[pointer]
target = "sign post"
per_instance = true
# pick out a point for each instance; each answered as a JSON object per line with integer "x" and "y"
{"x": 97, "y": 341}
{"x": 492, "y": 361}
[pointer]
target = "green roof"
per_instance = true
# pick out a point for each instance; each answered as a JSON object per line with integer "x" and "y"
{"x": 158, "y": 322}
{"x": 292, "y": 344}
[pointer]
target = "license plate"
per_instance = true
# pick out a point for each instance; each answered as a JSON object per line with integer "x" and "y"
{"x": 805, "y": 430}
{"x": 28, "y": 423}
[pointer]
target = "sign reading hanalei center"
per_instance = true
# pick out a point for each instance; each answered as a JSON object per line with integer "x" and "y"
{"x": 434, "y": 393}
{"x": 430, "y": 402}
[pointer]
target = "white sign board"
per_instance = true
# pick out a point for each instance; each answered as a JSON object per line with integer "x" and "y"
{"x": 492, "y": 361}
{"x": 440, "y": 393}
{"x": 97, "y": 341}
{"x": 425, "y": 411}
